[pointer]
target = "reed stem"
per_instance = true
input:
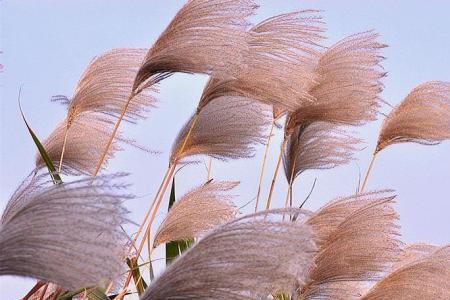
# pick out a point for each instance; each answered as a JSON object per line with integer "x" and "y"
{"x": 263, "y": 164}
{"x": 63, "y": 149}
{"x": 274, "y": 179}
{"x": 369, "y": 170}
{"x": 114, "y": 132}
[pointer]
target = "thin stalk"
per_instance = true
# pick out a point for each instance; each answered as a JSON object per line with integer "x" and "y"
{"x": 263, "y": 164}
{"x": 114, "y": 132}
{"x": 366, "y": 178}
{"x": 44, "y": 290}
{"x": 274, "y": 179}
{"x": 289, "y": 191}
{"x": 209, "y": 169}
{"x": 63, "y": 149}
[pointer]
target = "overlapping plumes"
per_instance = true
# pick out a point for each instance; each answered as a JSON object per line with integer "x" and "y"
{"x": 247, "y": 258}
{"x": 317, "y": 145}
{"x": 423, "y": 117}
{"x": 227, "y": 128}
{"x": 414, "y": 252}
{"x": 199, "y": 210}
{"x": 279, "y": 65}
{"x": 106, "y": 85}
{"x": 68, "y": 234}
{"x": 425, "y": 278}
{"x": 86, "y": 141}
{"x": 361, "y": 248}
{"x": 205, "y": 36}
{"x": 349, "y": 84}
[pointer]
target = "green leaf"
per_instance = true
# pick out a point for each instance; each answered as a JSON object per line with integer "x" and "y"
{"x": 48, "y": 162}
{"x": 97, "y": 294}
{"x": 172, "y": 249}
{"x": 140, "y": 283}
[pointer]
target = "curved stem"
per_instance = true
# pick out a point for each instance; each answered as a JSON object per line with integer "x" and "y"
{"x": 113, "y": 134}
{"x": 291, "y": 181}
{"x": 209, "y": 169}
{"x": 63, "y": 149}
{"x": 369, "y": 169}
{"x": 263, "y": 165}
{"x": 274, "y": 179}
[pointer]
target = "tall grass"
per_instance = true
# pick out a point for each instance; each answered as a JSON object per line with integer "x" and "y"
{"x": 69, "y": 235}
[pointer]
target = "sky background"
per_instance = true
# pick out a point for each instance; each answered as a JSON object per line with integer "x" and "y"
{"x": 47, "y": 44}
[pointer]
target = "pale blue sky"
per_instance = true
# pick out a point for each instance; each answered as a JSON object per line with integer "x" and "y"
{"x": 47, "y": 44}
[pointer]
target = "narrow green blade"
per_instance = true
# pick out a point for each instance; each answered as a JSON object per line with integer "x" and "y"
{"x": 48, "y": 162}
{"x": 140, "y": 283}
{"x": 172, "y": 247}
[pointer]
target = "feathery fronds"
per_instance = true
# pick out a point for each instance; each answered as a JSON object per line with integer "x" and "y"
{"x": 198, "y": 211}
{"x": 247, "y": 258}
{"x": 361, "y": 248}
{"x": 227, "y": 128}
{"x": 317, "y": 145}
{"x": 327, "y": 219}
{"x": 349, "y": 84}
{"x": 106, "y": 84}
{"x": 205, "y": 36}
{"x": 414, "y": 252}
{"x": 68, "y": 234}
{"x": 280, "y": 63}
{"x": 423, "y": 117}
{"x": 86, "y": 141}
{"x": 425, "y": 278}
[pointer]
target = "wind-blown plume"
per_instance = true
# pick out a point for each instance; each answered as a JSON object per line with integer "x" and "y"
{"x": 200, "y": 210}
{"x": 247, "y": 258}
{"x": 85, "y": 143}
{"x": 68, "y": 234}
{"x": 227, "y": 128}
{"x": 425, "y": 278}
{"x": 423, "y": 117}
{"x": 414, "y": 252}
{"x": 106, "y": 84}
{"x": 279, "y": 64}
{"x": 317, "y": 145}
{"x": 361, "y": 248}
{"x": 205, "y": 36}
{"x": 349, "y": 84}
{"x": 327, "y": 219}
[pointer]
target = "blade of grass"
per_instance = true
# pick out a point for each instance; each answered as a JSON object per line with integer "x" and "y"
{"x": 171, "y": 247}
{"x": 140, "y": 283}
{"x": 48, "y": 162}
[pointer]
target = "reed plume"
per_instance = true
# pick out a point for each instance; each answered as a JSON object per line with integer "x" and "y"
{"x": 414, "y": 252}
{"x": 83, "y": 145}
{"x": 106, "y": 84}
{"x": 68, "y": 234}
{"x": 237, "y": 261}
{"x": 422, "y": 117}
{"x": 349, "y": 84}
{"x": 280, "y": 62}
{"x": 198, "y": 211}
{"x": 425, "y": 278}
{"x": 227, "y": 128}
{"x": 205, "y": 36}
{"x": 360, "y": 249}
{"x": 317, "y": 146}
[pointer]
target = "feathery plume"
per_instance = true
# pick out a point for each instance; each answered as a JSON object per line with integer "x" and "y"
{"x": 105, "y": 85}
{"x": 317, "y": 145}
{"x": 227, "y": 128}
{"x": 360, "y": 249}
{"x": 85, "y": 143}
{"x": 198, "y": 211}
{"x": 349, "y": 84}
{"x": 205, "y": 36}
{"x": 327, "y": 219}
{"x": 247, "y": 258}
{"x": 425, "y": 278}
{"x": 411, "y": 120}
{"x": 68, "y": 234}
{"x": 280, "y": 63}
{"x": 414, "y": 252}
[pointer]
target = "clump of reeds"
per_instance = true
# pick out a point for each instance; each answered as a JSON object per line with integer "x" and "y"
{"x": 69, "y": 234}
